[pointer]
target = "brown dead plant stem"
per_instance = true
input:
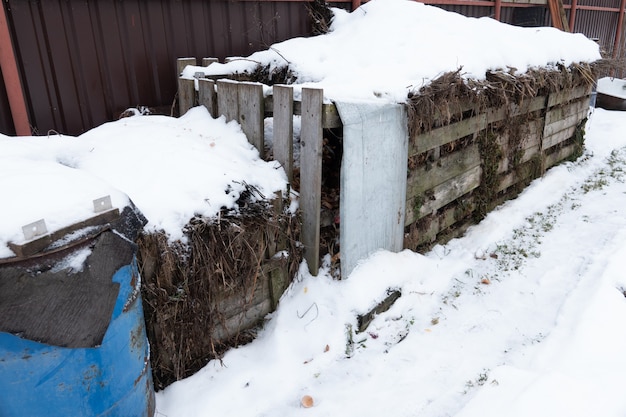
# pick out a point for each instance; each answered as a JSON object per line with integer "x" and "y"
{"x": 191, "y": 291}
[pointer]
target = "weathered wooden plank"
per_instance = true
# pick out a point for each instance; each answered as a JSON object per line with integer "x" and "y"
{"x": 252, "y": 113}
{"x": 311, "y": 174}
{"x": 449, "y": 133}
{"x": 568, "y": 95}
{"x": 207, "y": 95}
{"x": 560, "y": 112}
{"x": 181, "y": 63}
{"x": 364, "y": 320}
{"x": 527, "y": 106}
{"x": 558, "y": 137}
{"x": 208, "y": 61}
{"x": 276, "y": 268}
{"x": 435, "y": 225}
{"x": 330, "y": 115}
{"x": 563, "y": 124}
{"x": 283, "y": 128}
{"x": 186, "y": 95}
{"x": 445, "y": 134}
{"x": 33, "y": 246}
{"x": 560, "y": 155}
{"x": 424, "y": 178}
{"x": 228, "y": 99}
{"x": 242, "y": 311}
{"x": 419, "y": 205}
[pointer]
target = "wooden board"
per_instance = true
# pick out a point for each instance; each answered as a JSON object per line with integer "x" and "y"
{"x": 446, "y": 134}
{"x": 251, "y": 113}
{"x": 560, "y": 112}
{"x": 425, "y": 178}
{"x": 227, "y": 100}
{"x": 565, "y": 123}
{"x": 558, "y": 137}
{"x": 283, "y": 128}
{"x": 443, "y": 194}
{"x": 186, "y": 95}
{"x": 560, "y": 155}
{"x": 568, "y": 95}
{"x": 207, "y": 96}
{"x": 330, "y": 115}
{"x": 34, "y": 246}
{"x": 311, "y": 174}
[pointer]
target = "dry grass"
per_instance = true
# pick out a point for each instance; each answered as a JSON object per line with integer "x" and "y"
{"x": 186, "y": 288}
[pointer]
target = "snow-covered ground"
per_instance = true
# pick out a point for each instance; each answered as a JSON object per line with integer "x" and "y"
{"x": 523, "y": 316}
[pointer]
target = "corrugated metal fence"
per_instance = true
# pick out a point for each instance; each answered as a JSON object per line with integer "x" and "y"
{"x": 84, "y": 62}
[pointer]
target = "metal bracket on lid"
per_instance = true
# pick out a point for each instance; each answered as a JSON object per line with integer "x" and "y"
{"x": 102, "y": 204}
{"x": 34, "y": 229}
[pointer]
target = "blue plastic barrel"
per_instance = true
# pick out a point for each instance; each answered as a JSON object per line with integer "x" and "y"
{"x": 112, "y": 378}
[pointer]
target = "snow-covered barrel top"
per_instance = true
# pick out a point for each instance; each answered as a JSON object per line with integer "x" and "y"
{"x": 388, "y": 48}
{"x": 171, "y": 169}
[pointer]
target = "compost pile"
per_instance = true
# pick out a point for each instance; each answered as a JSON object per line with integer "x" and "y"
{"x": 207, "y": 296}
{"x": 451, "y": 99}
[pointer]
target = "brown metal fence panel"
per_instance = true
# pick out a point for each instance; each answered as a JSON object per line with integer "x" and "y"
{"x": 6, "y": 119}
{"x": 85, "y": 62}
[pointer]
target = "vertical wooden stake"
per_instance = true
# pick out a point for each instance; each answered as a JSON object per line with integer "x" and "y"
{"x": 227, "y": 99}
{"x": 311, "y": 175}
{"x": 283, "y": 128}
{"x": 186, "y": 88}
{"x": 208, "y": 61}
{"x": 186, "y": 95}
{"x": 207, "y": 96}
{"x": 252, "y": 113}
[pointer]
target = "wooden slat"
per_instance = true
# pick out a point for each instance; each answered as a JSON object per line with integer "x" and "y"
{"x": 227, "y": 100}
{"x": 186, "y": 91}
{"x": 558, "y": 137}
{"x": 527, "y": 106}
{"x": 311, "y": 174}
{"x": 424, "y": 178}
{"x": 251, "y": 113}
{"x": 283, "y": 128}
{"x": 561, "y": 112}
{"x": 563, "y": 124}
{"x": 186, "y": 95}
{"x": 207, "y": 96}
{"x": 560, "y": 155}
{"x": 568, "y": 95}
{"x": 330, "y": 115}
{"x": 443, "y": 194}
{"x": 449, "y": 133}
{"x": 31, "y": 247}
{"x": 181, "y": 63}
{"x": 208, "y": 61}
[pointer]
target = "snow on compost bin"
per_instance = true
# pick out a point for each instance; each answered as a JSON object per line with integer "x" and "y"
{"x": 217, "y": 249}
{"x": 407, "y": 80}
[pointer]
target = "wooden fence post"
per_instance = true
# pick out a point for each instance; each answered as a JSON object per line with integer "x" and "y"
{"x": 283, "y": 128}
{"x": 252, "y": 113}
{"x": 311, "y": 174}
{"x": 227, "y": 100}
{"x": 186, "y": 88}
{"x": 207, "y": 96}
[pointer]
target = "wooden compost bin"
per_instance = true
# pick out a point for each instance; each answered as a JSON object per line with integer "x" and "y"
{"x": 460, "y": 169}
{"x": 470, "y": 147}
{"x": 205, "y": 296}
